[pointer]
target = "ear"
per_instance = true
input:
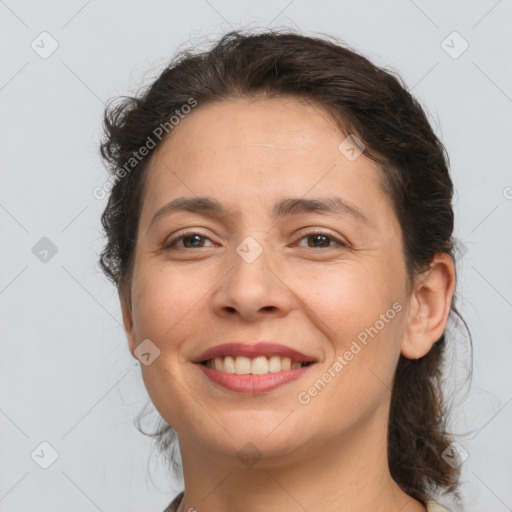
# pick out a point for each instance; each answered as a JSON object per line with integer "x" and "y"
{"x": 429, "y": 307}
{"x": 128, "y": 322}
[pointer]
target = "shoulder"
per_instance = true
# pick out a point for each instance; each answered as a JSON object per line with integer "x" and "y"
{"x": 173, "y": 506}
{"x": 432, "y": 506}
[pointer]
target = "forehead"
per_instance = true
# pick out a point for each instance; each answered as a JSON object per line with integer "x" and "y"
{"x": 261, "y": 124}
{"x": 247, "y": 150}
{"x": 240, "y": 135}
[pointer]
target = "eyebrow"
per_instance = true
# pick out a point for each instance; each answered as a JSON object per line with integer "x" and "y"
{"x": 284, "y": 208}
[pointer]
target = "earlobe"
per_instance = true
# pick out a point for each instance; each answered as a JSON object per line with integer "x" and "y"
{"x": 429, "y": 307}
{"x": 128, "y": 323}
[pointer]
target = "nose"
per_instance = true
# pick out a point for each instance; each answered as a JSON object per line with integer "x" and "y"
{"x": 252, "y": 288}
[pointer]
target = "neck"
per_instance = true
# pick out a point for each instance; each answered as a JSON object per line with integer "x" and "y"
{"x": 348, "y": 473}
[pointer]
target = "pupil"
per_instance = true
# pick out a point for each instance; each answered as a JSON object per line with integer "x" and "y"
{"x": 320, "y": 236}
{"x": 197, "y": 238}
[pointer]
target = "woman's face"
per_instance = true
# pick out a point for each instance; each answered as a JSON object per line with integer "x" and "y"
{"x": 324, "y": 286}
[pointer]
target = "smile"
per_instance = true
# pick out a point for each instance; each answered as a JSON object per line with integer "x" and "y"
{"x": 253, "y": 367}
{"x": 260, "y": 365}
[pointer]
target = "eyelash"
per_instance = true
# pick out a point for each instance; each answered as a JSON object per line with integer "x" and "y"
{"x": 172, "y": 242}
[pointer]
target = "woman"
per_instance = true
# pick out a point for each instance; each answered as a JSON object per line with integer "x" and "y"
{"x": 280, "y": 234}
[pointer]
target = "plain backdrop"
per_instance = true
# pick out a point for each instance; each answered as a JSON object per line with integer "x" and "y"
{"x": 67, "y": 379}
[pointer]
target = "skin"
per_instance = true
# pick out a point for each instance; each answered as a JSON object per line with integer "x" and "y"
{"x": 305, "y": 292}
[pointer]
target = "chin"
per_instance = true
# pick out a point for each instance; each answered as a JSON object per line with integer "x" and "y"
{"x": 268, "y": 435}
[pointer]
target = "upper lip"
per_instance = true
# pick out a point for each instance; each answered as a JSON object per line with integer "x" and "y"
{"x": 253, "y": 350}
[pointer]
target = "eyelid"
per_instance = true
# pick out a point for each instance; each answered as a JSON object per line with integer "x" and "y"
{"x": 303, "y": 233}
{"x": 176, "y": 238}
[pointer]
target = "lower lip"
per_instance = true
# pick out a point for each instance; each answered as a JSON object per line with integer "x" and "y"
{"x": 253, "y": 384}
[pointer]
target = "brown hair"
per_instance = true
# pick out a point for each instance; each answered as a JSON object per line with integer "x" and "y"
{"x": 364, "y": 100}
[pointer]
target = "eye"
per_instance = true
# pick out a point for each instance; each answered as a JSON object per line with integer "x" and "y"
{"x": 191, "y": 239}
{"x": 321, "y": 239}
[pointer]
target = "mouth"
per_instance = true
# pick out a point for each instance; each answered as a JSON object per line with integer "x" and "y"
{"x": 253, "y": 368}
{"x": 260, "y": 365}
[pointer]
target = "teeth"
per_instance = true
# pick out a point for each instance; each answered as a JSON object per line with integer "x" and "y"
{"x": 286, "y": 363}
{"x": 229, "y": 365}
{"x": 274, "y": 364}
{"x": 242, "y": 365}
{"x": 260, "y": 365}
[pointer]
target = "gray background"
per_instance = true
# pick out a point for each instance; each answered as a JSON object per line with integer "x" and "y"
{"x": 67, "y": 377}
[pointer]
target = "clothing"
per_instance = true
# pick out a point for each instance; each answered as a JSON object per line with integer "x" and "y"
{"x": 175, "y": 503}
{"x": 432, "y": 506}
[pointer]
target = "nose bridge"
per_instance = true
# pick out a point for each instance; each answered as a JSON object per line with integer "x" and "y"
{"x": 252, "y": 263}
{"x": 250, "y": 249}
{"x": 252, "y": 284}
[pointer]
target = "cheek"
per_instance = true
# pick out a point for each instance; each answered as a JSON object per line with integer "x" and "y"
{"x": 165, "y": 306}
{"x": 349, "y": 298}
{"x": 359, "y": 314}
{"x": 164, "y": 303}
{"x": 359, "y": 311}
